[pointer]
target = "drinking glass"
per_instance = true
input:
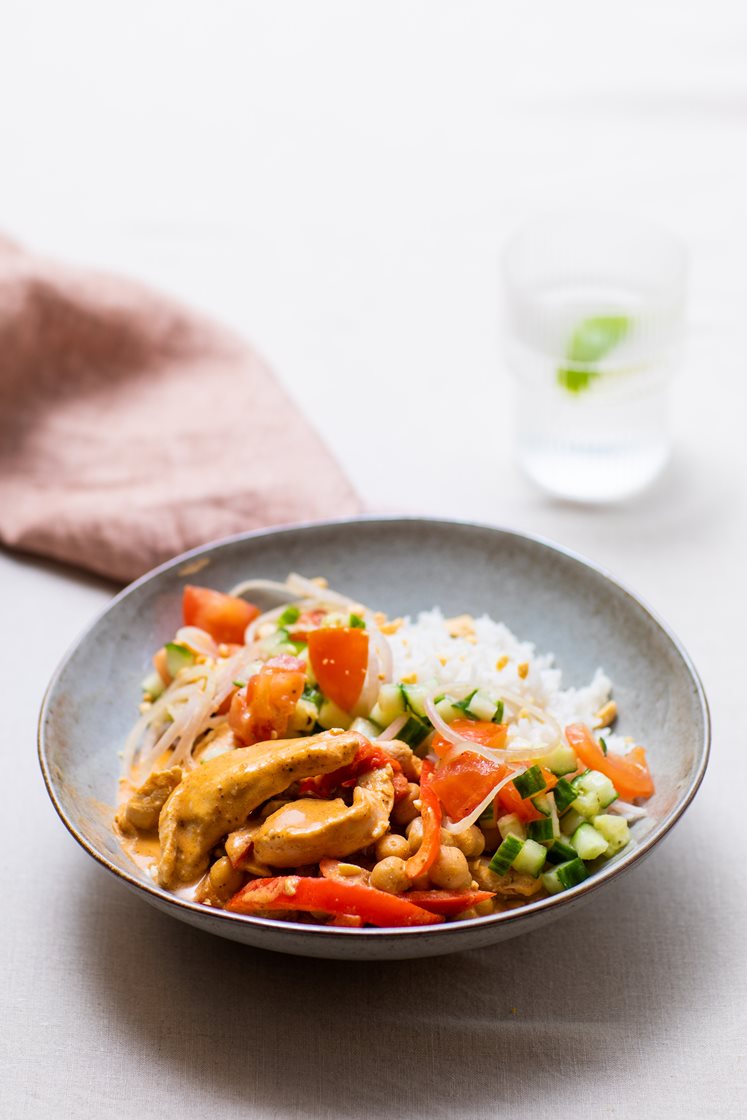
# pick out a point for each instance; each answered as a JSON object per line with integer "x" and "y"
{"x": 595, "y": 308}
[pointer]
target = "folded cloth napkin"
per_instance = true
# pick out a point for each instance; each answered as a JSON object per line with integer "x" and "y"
{"x": 132, "y": 429}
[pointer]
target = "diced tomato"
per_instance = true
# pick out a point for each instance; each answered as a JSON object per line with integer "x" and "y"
{"x": 477, "y": 731}
{"x": 262, "y": 711}
{"x": 368, "y": 757}
{"x": 628, "y": 773}
{"x": 339, "y": 660}
{"x": 333, "y": 896}
{"x": 306, "y": 622}
{"x": 224, "y": 617}
{"x": 464, "y": 782}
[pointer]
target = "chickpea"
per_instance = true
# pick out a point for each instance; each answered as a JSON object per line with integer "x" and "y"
{"x": 471, "y": 841}
{"x": 486, "y": 907}
{"x": 392, "y": 845}
{"x": 414, "y": 833}
{"x": 223, "y": 878}
{"x": 471, "y": 912}
{"x": 405, "y": 811}
{"x": 390, "y": 875}
{"x": 450, "y": 870}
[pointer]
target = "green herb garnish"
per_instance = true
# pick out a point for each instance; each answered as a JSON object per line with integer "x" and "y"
{"x": 591, "y": 341}
{"x": 288, "y": 617}
{"x": 498, "y": 717}
{"x": 602, "y": 744}
{"x": 356, "y": 622}
{"x": 463, "y": 705}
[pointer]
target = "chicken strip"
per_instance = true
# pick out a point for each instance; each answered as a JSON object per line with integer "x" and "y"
{"x": 217, "y": 798}
{"x": 144, "y": 807}
{"x": 307, "y": 830}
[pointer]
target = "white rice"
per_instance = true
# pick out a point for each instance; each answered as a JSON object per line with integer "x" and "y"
{"x": 425, "y": 648}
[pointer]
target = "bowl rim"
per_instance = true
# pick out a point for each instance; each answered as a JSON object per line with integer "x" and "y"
{"x": 548, "y": 905}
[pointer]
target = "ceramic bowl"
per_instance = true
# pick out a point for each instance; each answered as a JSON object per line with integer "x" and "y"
{"x": 562, "y": 603}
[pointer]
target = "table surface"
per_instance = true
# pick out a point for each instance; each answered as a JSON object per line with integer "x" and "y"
{"x": 336, "y": 180}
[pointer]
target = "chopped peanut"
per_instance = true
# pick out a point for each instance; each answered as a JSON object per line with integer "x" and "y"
{"x": 391, "y": 627}
{"x": 523, "y": 670}
{"x": 411, "y": 678}
{"x": 501, "y": 663}
{"x": 461, "y": 626}
{"x": 607, "y": 714}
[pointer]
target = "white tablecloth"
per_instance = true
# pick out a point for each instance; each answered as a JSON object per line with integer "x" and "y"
{"x": 336, "y": 180}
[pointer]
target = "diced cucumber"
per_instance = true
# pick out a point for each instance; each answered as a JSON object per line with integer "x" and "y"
{"x": 588, "y": 842}
{"x": 332, "y": 716}
{"x": 564, "y": 876}
{"x": 560, "y": 851}
{"x": 594, "y": 792}
{"x": 414, "y": 732}
{"x": 366, "y": 727}
{"x": 290, "y": 615}
{"x": 561, "y": 761}
{"x": 570, "y": 821}
{"x": 614, "y": 829}
{"x": 389, "y": 706}
{"x": 541, "y": 831}
{"x": 414, "y": 698}
{"x": 447, "y": 711}
{"x": 153, "y": 686}
{"x": 565, "y": 794}
{"x": 531, "y": 781}
{"x": 530, "y": 859}
{"x": 482, "y": 707}
{"x": 178, "y": 657}
{"x": 506, "y": 854}
{"x": 541, "y": 803}
{"x": 511, "y": 825}
{"x": 304, "y": 717}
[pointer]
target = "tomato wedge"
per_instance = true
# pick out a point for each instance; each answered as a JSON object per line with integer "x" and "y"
{"x": 464, "y": 782}
{"x": 339, "y": 659}
{"x": 296, "y": 892}
{"x": 224, "y": 617}
{"x": 263, "y": 710}
{"x": 477, "y": 731}
{"x": 628, "y": 773}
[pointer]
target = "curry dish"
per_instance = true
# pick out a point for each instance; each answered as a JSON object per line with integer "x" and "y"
{"x": 321, "y": 762}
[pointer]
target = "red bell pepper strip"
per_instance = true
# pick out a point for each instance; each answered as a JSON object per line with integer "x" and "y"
{"x": 628, "y": 773}
{"x": 295, "y": 892}
{"x": 447, "y": 903}
{"x": 368, "y": 757}
{"x": 430, "y": 811}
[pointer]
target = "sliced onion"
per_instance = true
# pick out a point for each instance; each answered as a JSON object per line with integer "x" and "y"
{"x": 260, "y": 620}
{"x": 393, "y": 730}
{"x": 631, "y": 813}
{"x": 248, "y": 586}
{"x": 540, "y": 714}
{"x": 198, "y": 640}
{"x": 371, "y": 685}
{"x": 465, "y": 822}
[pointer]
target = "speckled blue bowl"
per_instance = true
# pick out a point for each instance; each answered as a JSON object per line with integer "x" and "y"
{"x": 545, "y": 594}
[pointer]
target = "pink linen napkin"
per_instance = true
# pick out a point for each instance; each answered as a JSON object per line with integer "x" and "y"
{"x": 132, "y": 428}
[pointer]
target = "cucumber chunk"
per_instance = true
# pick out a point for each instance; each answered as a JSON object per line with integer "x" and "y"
{"x": 615, "y": 830}
{"x": 330, "y": 715}
{"x": 561, "y": 761}
{"x": 531, "y": 858}
{"x": 588, "y": 842}
{"x": 511, "y": 825}
{"x": 178, "y": 657}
